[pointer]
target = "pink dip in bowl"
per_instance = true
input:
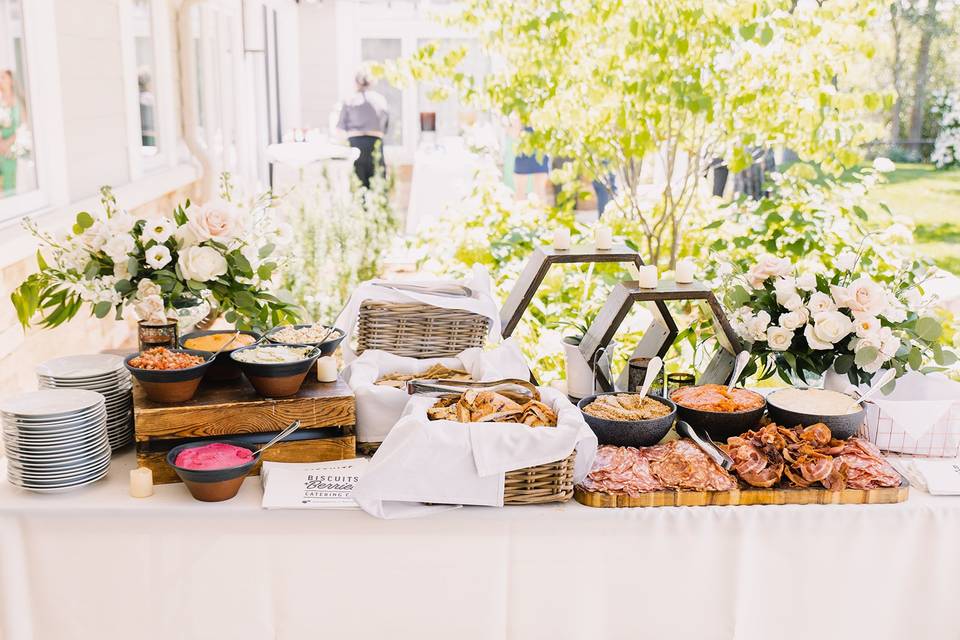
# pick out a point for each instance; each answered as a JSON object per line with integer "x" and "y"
{"x": 216, "y": 455}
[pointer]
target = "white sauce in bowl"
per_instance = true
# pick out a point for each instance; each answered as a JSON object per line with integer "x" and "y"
{"x": 818, "y": 402}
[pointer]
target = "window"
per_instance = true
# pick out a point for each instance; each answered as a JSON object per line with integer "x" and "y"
{"x": 18, "y": 172}
{"x": 380, "y": 50}
{"x": 146, "y": 69}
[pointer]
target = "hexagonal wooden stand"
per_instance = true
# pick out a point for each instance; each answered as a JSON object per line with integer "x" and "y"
{"x": 660, "y": 335}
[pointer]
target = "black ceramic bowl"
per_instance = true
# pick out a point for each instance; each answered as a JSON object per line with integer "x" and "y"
{"x": 722, "y": 425}
{"x": 327, "y": 347}
{"x": 171, "y": 385}
{"x": 629, "y": 433}
{"x": 277, "y": 379}
{"x": 841, "y": 426}
{"x": 215, "y": 485}
{"x": 223, "y": 368}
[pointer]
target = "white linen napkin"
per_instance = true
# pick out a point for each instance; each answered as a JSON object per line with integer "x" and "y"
{"x": 918, "y": 402}
{"x": 451, "y": 463}
{"x": 379, "y": 407}
{"x": 481, "y": 303}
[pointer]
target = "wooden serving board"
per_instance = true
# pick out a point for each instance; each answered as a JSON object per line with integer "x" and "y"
{"x": 227, "y": 411}
{"x": 744, "y": 496}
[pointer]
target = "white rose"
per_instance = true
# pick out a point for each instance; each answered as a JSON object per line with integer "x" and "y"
{"x": 119, "y": 247}
{"x": 147, "y": 287}
{"x": 820, "y": 302}
{"x": 795, "y": 319}
{"x": 159, "y": 229}
{"x": 807, "y": 282}
{"x": 863, "y": 295}
{"x": 157, "y": 256}
{"x": 779, "y": 338}
{"x": 201, "y": 263}
{"x": 846, "y": 261}
{"x": 150, "y": 309}
{"x": 787, "y": 296}
{"x": 827, "y": 329}
{"x": 889, "y": 343}
{"x": 757, "y": 326}
{"x": 883, "y": 165}
{"x": 866, "y": 325}
{"x": 217, "y": 220}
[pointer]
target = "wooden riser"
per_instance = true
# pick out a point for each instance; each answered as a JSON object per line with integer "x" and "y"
{"x": 317, "y": 450}
{"x": 744, "y": 497}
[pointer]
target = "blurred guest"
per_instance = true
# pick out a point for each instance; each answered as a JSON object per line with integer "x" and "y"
{"x": 364, "y": 119}
{"x": 535, "y": 165}
{"x": 10, "y": 116}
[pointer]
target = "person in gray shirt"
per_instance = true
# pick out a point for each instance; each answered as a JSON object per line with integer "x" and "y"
{"x": 364, "y": 119}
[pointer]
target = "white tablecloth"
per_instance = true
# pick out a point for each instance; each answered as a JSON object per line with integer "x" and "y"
{"x": 95, "y": 563}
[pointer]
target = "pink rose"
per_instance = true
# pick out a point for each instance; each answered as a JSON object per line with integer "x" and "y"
{"x": 216, "y": 220}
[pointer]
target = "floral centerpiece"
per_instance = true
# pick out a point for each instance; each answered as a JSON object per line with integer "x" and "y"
{"x": 807, "y": 322}
{"x": 113, "y": 261}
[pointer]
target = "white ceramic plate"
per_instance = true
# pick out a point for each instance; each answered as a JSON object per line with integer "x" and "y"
{"x": 50, "y": 403}
{"x": 82, "y": 366}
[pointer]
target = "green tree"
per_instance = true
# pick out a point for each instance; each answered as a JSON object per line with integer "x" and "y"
{"x": 635, "y": 87}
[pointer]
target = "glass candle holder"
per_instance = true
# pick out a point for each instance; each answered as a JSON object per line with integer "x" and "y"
{"x": 677, "y": 380}
{"x": 155, "y": 334}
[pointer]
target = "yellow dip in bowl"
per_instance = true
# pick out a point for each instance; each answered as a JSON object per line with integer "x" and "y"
{"x": 213, "y": 341}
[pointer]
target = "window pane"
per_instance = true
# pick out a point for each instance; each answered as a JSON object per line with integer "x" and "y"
{"x": 146, "y": 75}
{"x": 17, "y": 167}
{"x": 380, "y": 50}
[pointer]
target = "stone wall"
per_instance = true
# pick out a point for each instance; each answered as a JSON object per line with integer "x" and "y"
{"x": 21, "y": 350}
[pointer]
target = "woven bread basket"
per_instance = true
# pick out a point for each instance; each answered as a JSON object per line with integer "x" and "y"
{"x": 423, "y": 331}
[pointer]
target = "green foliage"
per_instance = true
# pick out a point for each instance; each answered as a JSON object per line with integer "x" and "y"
{"x": 667, "y": 87}
{"x": 343, "y": 234}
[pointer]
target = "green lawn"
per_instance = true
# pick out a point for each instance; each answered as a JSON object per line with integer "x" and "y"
{"x": 932, "y": 199}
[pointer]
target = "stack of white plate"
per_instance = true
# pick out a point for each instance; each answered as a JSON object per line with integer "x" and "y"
{"x": 55, "y": 439}
{"x": 100, "y": 372}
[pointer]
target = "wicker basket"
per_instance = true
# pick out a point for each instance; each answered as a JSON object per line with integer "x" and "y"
{"x": 423, "y": 331}
{"x": 419, "y": 330}
{"x": 552, "y": 482}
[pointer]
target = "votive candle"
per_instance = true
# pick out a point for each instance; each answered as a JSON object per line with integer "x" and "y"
{"x": 141, "y": 482}
{"x": 561, "y": 239}
{"x": 648, "y": 276}
{"x": 327, "y": 369}
{"x": 603, "y": 237}
{"x": 685, "y": 270}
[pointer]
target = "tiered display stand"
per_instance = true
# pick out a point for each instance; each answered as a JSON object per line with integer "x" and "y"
{"x": 659, "y": 336}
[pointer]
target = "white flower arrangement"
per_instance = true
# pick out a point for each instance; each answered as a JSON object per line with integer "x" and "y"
{"x": 142, "y": 266}
{"x": 805, "y": 323}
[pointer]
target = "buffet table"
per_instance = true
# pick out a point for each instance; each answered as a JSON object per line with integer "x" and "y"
{"x": 171, "y": 567}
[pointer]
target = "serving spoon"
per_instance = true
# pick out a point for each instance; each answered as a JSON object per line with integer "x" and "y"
{"x": 226, "y": 344}
{"x": 280, "y": 436}
{"x": 884, "y": 380}
{"x": 653, "y": 368}
{"x": 738, "y": 366}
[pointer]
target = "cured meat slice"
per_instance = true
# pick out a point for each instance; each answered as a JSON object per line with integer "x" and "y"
{"x": 683, "y": 465}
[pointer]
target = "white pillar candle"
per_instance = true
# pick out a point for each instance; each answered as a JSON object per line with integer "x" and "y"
{"x": 561, "y": 239}
{"x": 603, "y": 237}
{"x": 141, "y": 482}
{"x": 648, "y": 276}
{"x": 327, "y": 369}
{"x": 685, "y": 271}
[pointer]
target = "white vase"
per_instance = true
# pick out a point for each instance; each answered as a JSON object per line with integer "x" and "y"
{"x": 834, "y": 381}
{"x": 579, "y": 374}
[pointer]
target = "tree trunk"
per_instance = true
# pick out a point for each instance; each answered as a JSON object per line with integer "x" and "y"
{"x": 895, "y": 114}
{"x": 929, "y": 25}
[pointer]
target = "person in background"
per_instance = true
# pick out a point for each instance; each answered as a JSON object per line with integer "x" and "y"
{"x": 364, "y": 118}
{"x": 10, "y": 116}
{"x": 535, "y": 165}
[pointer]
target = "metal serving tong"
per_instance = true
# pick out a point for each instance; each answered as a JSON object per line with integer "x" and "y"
{"x": 513, "y": 388}
{"x": 443, "y": 290}
{"x": 702, "y": 440}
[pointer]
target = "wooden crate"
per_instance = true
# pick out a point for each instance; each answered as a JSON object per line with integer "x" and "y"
{"x": 235, "y": 411}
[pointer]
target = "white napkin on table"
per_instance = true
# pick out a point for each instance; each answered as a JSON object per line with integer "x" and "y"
{"x": 481, "y": 303}
{"x": 379, "y": 407}
{"x": 453, "y": 463}
{"x": 918, "y": 402}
